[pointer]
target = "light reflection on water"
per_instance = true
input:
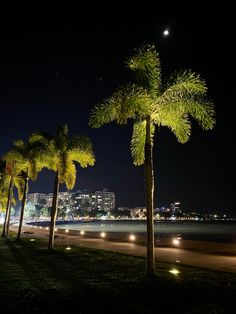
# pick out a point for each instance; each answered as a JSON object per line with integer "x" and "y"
{"x": 209, "y": 231}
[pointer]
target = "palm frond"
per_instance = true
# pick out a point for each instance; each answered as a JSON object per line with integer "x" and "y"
{"x": 14, "y": 155}
{"x": 138, "y": 141}
{"x": 84, "y": 158}
{"x": 61, "y": 138}
{"x": 40, "y": 138}
{"x": 203, "y": 111}
{"x": 146, "y": 64}
{"x": 183, "y": 85}
{"x": 80, "y": 149}
{"x": 19, "y": 183}
{"x": 198, "y": 108}
{"x": 125, "y": 103}
{"x": 179, "y": 125}
{"x": 63, "y": 163}
{"x": 69, "y": 176}
{"x": 34, "y": 167}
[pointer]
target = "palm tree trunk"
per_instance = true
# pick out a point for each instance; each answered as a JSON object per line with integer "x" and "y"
{"x": 149, "y": 182}
{"x": 53, "y": 213}
{"x": 8, "y": 208}
{"x": 23, "y": 205}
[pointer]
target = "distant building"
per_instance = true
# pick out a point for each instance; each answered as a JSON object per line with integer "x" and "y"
{"x": 83, "y": 200}
{"x": 49, "y": 198}
{"x": 36, "y": 198}
{"x": 64, "y": 199}
{"x": 104, "y": 200}
{"x": 175, "y": 208}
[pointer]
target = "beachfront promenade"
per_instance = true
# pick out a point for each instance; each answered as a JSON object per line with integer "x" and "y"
{"x": 210, "y": 255}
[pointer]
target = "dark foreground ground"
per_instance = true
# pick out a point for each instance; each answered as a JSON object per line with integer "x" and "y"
{"x": 83, "y": 280}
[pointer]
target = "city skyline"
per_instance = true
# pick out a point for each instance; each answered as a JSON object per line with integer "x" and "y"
{"x": 83, "y": 203}
{"x": 57, "y": 67}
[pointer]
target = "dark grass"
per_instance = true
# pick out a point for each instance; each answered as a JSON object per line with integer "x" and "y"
{"x": 33, "y": 280}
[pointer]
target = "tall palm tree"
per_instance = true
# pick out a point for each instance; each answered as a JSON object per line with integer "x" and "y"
{"x": 150, "y": 103}
{"x": 28, "y": 164}
{"x": 60, "y": 154}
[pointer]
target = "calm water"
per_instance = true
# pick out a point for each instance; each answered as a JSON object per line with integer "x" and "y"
{"x": 220, "y": 231}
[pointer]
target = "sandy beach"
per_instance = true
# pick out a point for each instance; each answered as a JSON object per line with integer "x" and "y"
{"x": 211, "y": 255}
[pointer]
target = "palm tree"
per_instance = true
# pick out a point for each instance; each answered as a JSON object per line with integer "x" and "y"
{"x": 60, "y": 154}
{"x": 150, "y": 103}
{"x": 28, "y": 160}
{"x": 4, "y": 184}
{"x": 7, "y": 179}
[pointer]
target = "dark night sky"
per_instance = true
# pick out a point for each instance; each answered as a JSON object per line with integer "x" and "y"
{"x": 57, "y": 64}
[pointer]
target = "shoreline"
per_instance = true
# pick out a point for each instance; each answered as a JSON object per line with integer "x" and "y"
{"x": 73, "y": 236}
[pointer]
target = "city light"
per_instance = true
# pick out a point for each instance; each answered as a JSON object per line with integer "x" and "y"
{"x": 56, "y": 229}
{"x": 66, "y": 231}
{"x": 48, "y": 228}
{"x": 82, "y": 232}
{"x": 68, "y": 248}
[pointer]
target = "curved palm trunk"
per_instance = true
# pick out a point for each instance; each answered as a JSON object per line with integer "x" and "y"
{"x": 53, "y": 213}
{"x": 149, "y": 182}
{"x": 8, "y": 208}
{"x": 23, "y": 206}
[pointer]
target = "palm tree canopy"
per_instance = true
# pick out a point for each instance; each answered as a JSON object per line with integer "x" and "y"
{"x": 27, "y": 162}
{"x": 60, "y": 153}
{"x": 27, "y": 156}
{"x": 171, "y": 105}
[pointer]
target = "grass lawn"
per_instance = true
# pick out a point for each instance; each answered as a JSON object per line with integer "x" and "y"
{"x": 83, "y": 280}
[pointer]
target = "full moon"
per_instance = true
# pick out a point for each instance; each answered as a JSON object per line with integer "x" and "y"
{"x": 166, "y": 32}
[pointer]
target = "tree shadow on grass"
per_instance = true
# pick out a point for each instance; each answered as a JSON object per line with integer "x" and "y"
{"x": 42, "y": 281}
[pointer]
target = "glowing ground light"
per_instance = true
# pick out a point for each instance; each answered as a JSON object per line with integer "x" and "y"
{"x": 174, "y": 271}
{"x": 68, "y": 248}
{"x": 82, "y": 232}
{"x": 103, "y": 234}
{"x": 66, "y": 231}
{"x": 177, "y": 261}
{"x": 32, "y": 240}
{"x": 176, "y": 241}
{"x": 132, "y": 237}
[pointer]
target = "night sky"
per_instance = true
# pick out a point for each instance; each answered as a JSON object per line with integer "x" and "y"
{"x": 57, "y": 64}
